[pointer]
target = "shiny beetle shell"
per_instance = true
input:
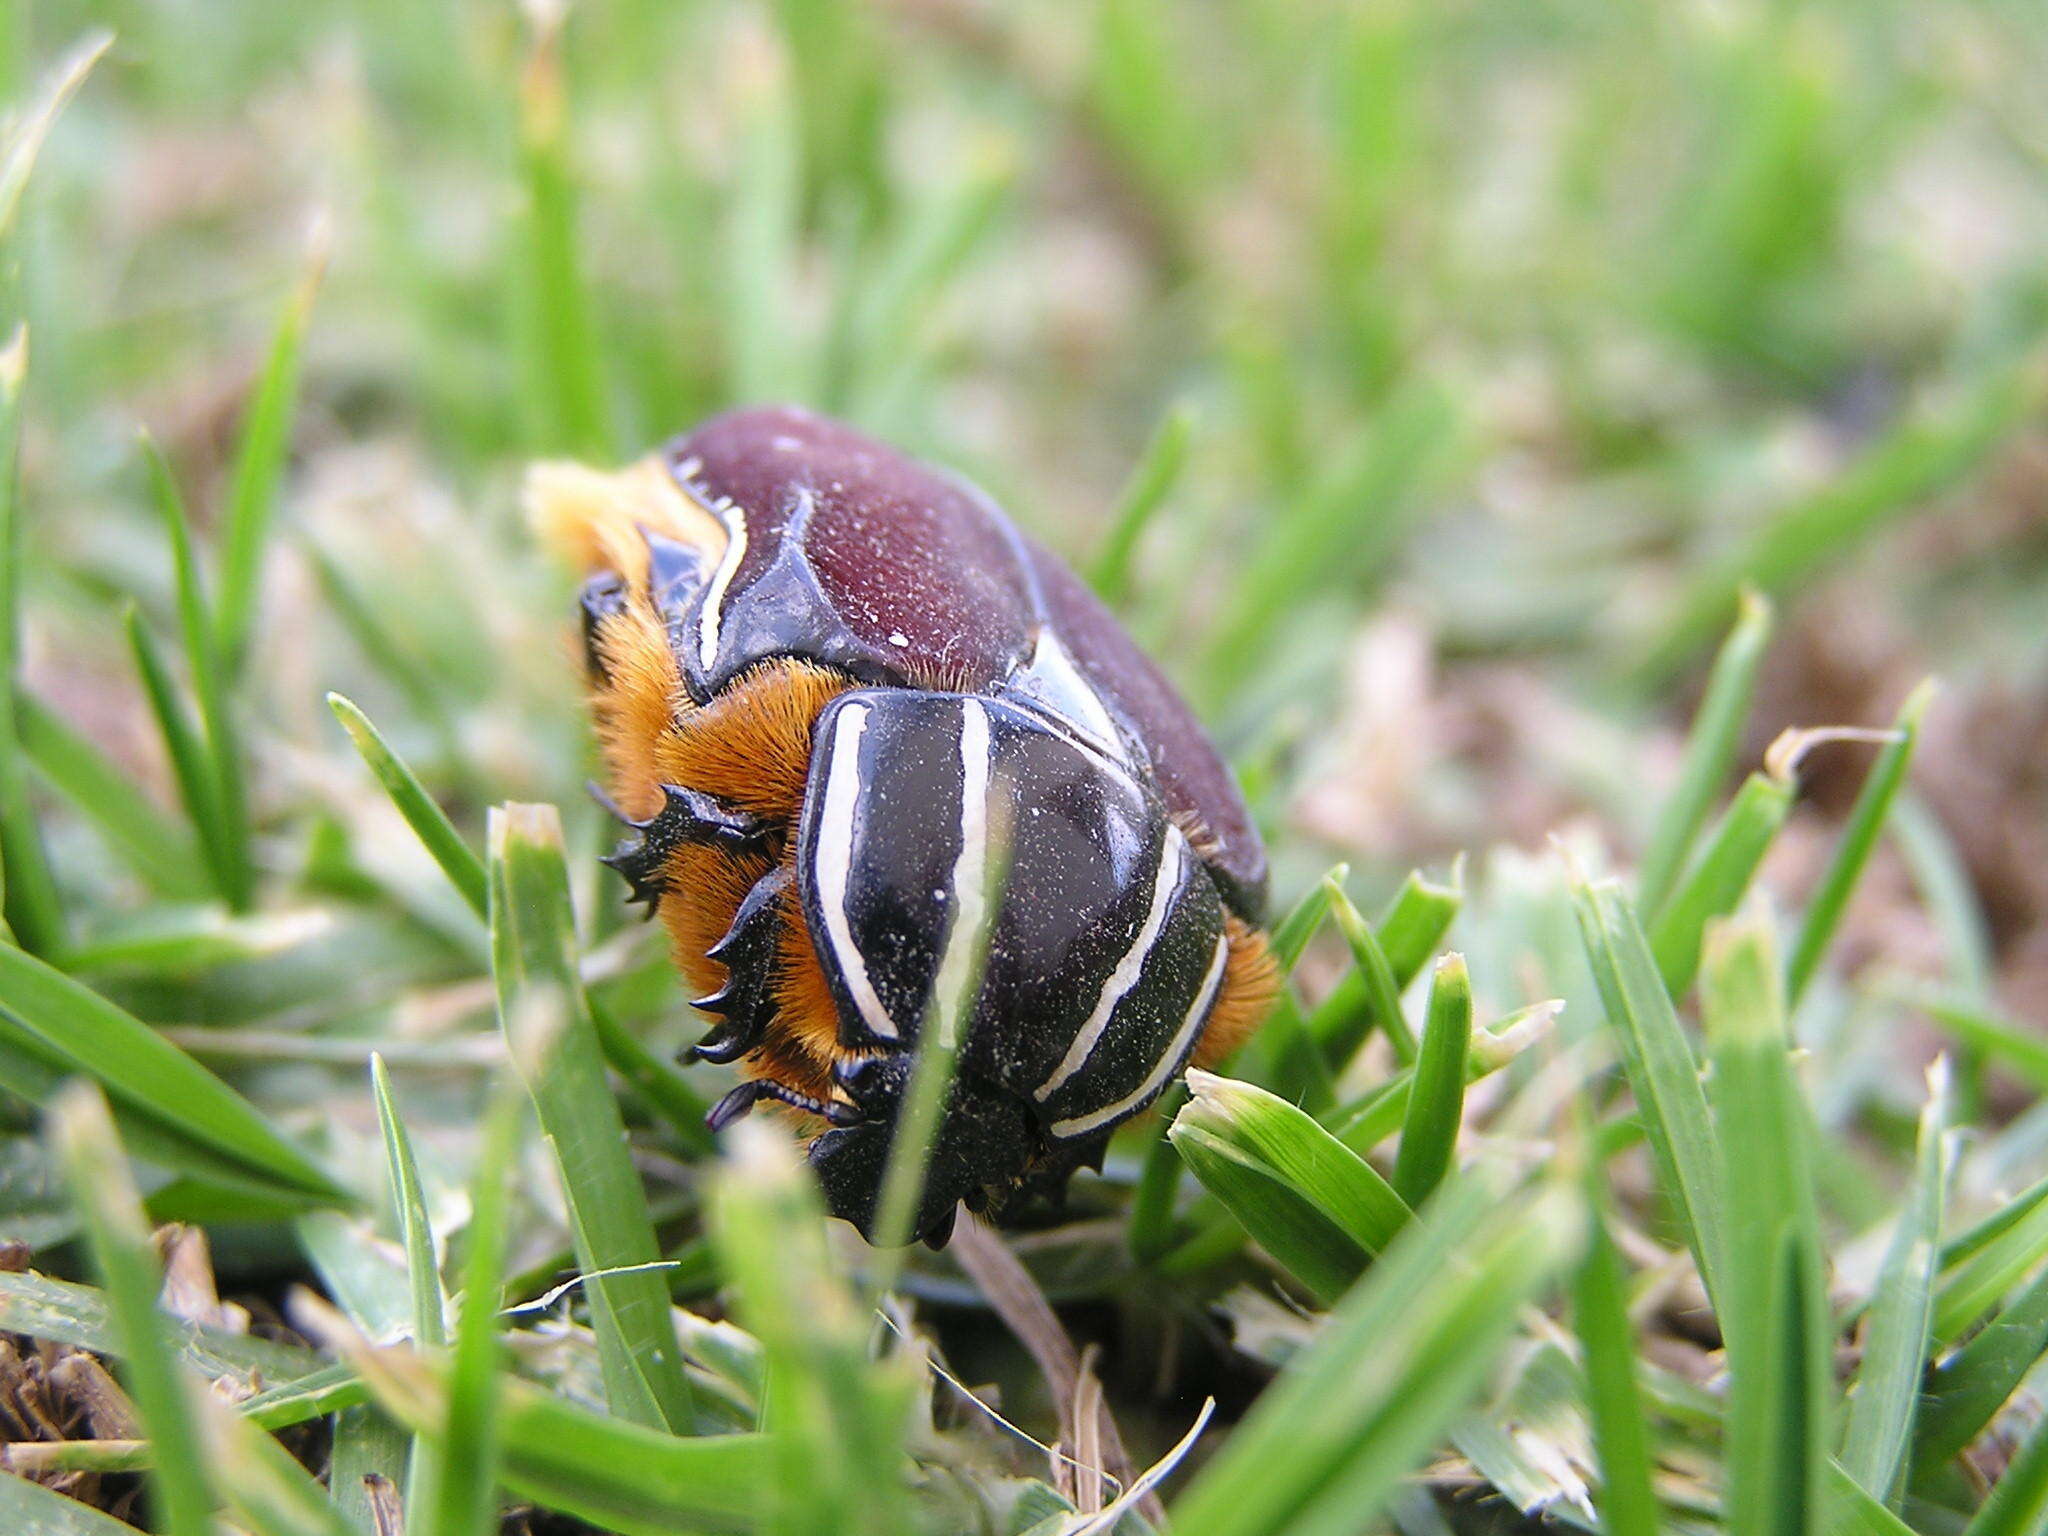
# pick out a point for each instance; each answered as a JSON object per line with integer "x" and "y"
{"x": 887, "y": 761}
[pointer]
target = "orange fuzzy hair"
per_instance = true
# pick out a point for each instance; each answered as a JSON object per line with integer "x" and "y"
{"x": 750, "y": 746}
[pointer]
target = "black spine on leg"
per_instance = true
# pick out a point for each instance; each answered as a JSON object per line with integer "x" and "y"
{"x": 686, "y": 816}
{"x": 746, "y": 1002}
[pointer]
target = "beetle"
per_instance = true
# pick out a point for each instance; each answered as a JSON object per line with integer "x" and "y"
{"x": 883, "y": 761}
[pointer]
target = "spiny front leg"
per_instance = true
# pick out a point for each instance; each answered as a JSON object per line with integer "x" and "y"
{"x": 686, "y": 816}
{"x": 746, "y": 1001}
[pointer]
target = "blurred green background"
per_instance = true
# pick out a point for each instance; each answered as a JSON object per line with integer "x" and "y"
{"x": 1424, "y": 382}
{"x": 1508, "y": 339}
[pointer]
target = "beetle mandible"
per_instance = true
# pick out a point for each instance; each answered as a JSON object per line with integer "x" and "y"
{"x": 885, "y": 760}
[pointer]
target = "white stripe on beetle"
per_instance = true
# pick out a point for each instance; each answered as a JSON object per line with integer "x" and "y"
{"x": 714, "y": 595}
{"x": 1080, "y": 1125}
{"x": 970, "y": 877}
{"x": 834, "y": 860}
{"x": 1165, "y": 879}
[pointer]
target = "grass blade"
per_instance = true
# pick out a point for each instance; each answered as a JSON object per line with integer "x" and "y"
{"x": 1895, "y": 1338}
{"x": 1974, "y": 1286}
{"x": 210, "y": 686}
{"x": 1965, "y": 1392}
{"x": 834, "y": 1415}
{"x": 62, "y": 1313}
{"x": 260, "y": 452}
{"x": 1329, "y": 1442}
{"x": 565, "y": 375}
{"x": 160, "y": 852}
{"x": 1436, "y": 1101}
{"x": 1287, "y": 1180}
{"x": 1660, "y": 1066}
{"x": 458, "y": 861}
{"x": 1866, "y": 820}
{"x": 136, "y": 1064}
{"x": 1772, "y": 1299}
{"x": 618, "y": 1476}
{"x": 1344, "y": 530}
{"x": 1709, "y": 751}
{"x": 1157, "y": 471}
{"x": 30, "y": 1509}
{"x": 33, "y": 128}
{"x": 1715, "y": 884}
{"x": 547, "y": 1024}
{"x": 429, "y": 1308}
{"x": 198, "y": 791}
{"x": 1381, "y": 984}
{"x": 457, "y": 1492}
{"x": 2018, "y": 1505}
{"x": 1906, "y": 469}
{"x": 1621, "y": 1432}
{"x": 31, "y": 905}
{"x": 82, "y": 1133}
{"x": 1409, "y": 931}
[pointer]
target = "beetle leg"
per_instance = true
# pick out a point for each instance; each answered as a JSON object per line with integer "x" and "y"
{"x": 604, "y": 596}
{"x": 686, "y": 816}
{"x": 748, "y": 953}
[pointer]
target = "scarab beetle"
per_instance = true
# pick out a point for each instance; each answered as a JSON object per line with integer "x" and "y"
{"x": 885, "y": 760}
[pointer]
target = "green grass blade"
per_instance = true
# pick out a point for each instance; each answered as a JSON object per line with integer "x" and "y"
{"x": 409, "y": 1203}
{"x": 1374, "y": 1116}
{"x": 1903, "y": 472}
{"x": 1329, "y": 1442}
{"x": 1436, "y": 1101}
{"x": 1852, "y": 1512}
{"x": 1381, "y": 984}
{"x": 210, "y": 686}
{"x": 1343, "y": 531}
{"x": 33, "y": 128}
{"x": 458, "y": 861}
{"x": 1965, "y": 1391}
{"x": 1621, "y": 1429}
{"x": 565, "y": 374}
{"x": 660, "y": 1087}
{"x": 1287, "y": 1180}
{"x": 260, "y": 452}
{"x": 198, "y": 791}
{"x": 1718, "y": 878}
{"x": 82, "y": 1133}
{"x": 30, "y": 1509}
{"x": 160, "y": 852}
{"x": 1895, "y": 1337}
{"x": 1409, "y": 931}
{"x": 1972, "y": 1287}
{"x": 1157, "y": 471}
{"x": 1709, "y": 751}
{"x": 1866, "y": 820}
{"x": 60, "y": 1312}
{"x": 617, "y": 1476}
{"x": 2016, "y": 1047}
{"x": 30, "y": 902}
{"x": 2018, "y": 1505}
{"x": 457, "y": 1492}
{"x": 834, "y": 1415}
{"x": 1661, "y": 1068}
{"x": 135, "y": 1063}
{"x": 548, "y": 1027}
{"x": 1772, "y": 1299}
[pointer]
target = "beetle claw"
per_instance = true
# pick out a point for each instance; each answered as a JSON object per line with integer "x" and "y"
{"x": 748, "y": 952}
{"x": 940, "y": 1232}
{"x": 687, "y": 816}
{"x": 733, "y": 1106}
